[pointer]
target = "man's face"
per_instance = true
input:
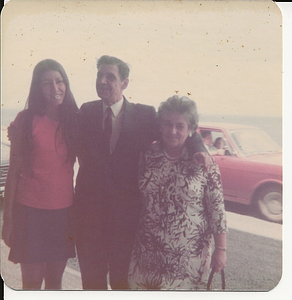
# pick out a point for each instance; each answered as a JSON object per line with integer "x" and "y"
{"x": 109, "y": 85}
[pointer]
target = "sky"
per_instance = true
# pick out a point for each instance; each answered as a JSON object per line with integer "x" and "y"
{"x": 224, "y": 55}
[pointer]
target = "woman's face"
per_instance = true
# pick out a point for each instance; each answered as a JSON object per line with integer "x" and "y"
{"x": 53, "y": 88}
{"x": 174, "y": 130}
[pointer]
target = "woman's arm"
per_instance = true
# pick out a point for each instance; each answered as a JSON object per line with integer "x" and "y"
{"x": 218, "y": 260}
{"x": 216, "y": 217}
{"x": 11, "y": 189}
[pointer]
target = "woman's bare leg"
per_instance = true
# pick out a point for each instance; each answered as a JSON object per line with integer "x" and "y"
{"x": 32, "y": 276}
{"x": 53, "y": 274}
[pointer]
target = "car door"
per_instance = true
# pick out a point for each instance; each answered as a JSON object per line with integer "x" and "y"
{"x": 230, "y": 166}
{"x": 234, "y": 179}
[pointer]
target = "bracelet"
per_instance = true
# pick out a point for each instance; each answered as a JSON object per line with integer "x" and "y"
{"x": 221, "y": 248}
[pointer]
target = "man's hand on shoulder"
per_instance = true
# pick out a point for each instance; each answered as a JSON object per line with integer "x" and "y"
{"x": 203, "y": 158}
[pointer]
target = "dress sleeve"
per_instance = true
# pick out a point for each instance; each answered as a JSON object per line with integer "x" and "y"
{"x": 214, "y": 201}
{"x": 15, "y": 128}
{"x": 16, "y": 137}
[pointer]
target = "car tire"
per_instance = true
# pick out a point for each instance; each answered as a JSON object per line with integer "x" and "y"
{"x": 269, "y": 202}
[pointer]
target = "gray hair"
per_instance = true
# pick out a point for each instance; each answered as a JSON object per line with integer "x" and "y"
{"x": 124, "y": 69}
{"x": 182, "y": 105}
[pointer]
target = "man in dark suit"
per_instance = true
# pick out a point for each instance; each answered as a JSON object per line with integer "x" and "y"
{"x": 107, "y": 206}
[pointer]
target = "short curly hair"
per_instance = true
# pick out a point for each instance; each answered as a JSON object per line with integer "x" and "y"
{"x": 182, "y": 105}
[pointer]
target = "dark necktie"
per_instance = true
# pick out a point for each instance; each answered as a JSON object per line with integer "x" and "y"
{"x": 107, "y": 132}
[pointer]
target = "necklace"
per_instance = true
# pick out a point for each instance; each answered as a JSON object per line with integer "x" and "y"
{"x": 171, "y": 158}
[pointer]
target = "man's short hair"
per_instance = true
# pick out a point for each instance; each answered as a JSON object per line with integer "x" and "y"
{"x": 205, "y": 133}
{"x": 124, "y": 69}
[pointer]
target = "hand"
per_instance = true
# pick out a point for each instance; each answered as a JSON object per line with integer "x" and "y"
{"x": 12, "y": 132}
{"x": 218, "y": 260}
{"x": 203, "y": 158}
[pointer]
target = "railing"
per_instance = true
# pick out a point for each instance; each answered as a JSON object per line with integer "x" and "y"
{"x": 3, "y": 175}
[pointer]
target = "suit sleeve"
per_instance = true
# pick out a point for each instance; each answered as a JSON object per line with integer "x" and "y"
{"x": 82, "y": 149}
{"x": 195, "y": 144}
{"x": 149, "y": 127}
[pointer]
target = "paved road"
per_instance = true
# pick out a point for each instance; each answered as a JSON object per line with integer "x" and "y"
{"x": 254, "y": 225}
{"x": 10, "y": 272}
{"x": 254, "y": 257}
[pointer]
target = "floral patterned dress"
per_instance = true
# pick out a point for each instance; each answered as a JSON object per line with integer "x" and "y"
{"x": 182, "y": 208}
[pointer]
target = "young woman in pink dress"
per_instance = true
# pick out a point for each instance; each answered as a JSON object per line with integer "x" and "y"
{"x": 37, "y": 222}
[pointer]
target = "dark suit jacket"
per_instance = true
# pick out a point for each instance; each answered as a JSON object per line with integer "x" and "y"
{"x": 109, "y": 184}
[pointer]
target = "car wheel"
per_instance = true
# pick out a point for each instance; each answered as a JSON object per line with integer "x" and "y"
{"x": 269, "y": 203}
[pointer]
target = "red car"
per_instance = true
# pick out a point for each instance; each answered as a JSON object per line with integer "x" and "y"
{"x": 250, "y": 163}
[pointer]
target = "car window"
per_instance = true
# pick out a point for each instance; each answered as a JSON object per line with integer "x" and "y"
{"x": 254, "y": 141}
{"x": 216, "y": 140}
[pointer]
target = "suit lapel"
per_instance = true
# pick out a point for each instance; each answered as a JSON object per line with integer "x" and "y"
{"x": 94, "y": 123}
{"x": 128, "y": 125}
{"x": 99, "y": 117}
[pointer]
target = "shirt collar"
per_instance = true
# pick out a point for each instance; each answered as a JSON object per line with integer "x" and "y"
{"x": 116, "y": 108}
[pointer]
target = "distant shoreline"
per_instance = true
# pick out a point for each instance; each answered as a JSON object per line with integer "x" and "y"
{"x": 272, "y": 125}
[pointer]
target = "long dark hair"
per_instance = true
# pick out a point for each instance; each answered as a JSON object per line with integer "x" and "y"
{"x": 36, "y": 105}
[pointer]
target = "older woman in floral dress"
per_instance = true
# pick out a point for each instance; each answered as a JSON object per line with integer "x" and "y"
{"x": 183, "y": 208}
